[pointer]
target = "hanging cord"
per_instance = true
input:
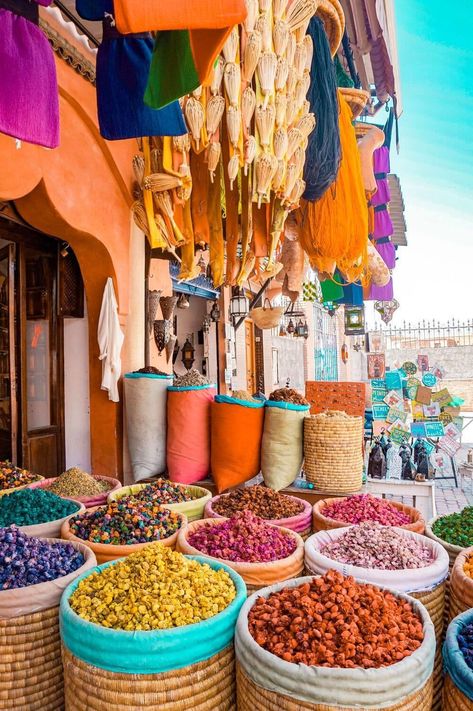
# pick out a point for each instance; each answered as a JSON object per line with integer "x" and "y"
{"x": 323, "y": 153}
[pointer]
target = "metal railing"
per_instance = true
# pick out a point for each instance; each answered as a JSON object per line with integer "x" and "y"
{"x": 427, "y": 334}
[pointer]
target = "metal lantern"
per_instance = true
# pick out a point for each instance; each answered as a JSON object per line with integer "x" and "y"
{"x": 215, "y": 312}
{"x": 183, "y": 301}
{"x": 306, "y": 331}
{"x": 202, "y": 265}
{"x": 354, "y": 321}
{"x": 188, "y": 353}
{"x": 206, "y": 324}
{"x": 239, "y": 306}
{"x": 282, "y": 330}
{"x": 345, "y": 353}
{"x": 386, "y": 309}
{"x": 300, "y": 329}
{"x": 290, "y": 326}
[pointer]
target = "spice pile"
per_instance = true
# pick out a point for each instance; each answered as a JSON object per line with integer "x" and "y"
{"x": 190, "y": 379}
{"x": 12, "y": 477}
{"x": 75, "y": 482}
{"x": 371, "y": 545}
{"x": 125, "y": 522}
{"x": 28, "y": 561}
{"x": 244, "y": 538}
{"x": 29, "y": 507}
{"x": 162, "y": 491}
{"x": 288, "y": 395}
{"x": 465, "y": 642}
{"x": 333, "y": 621}
{"x": 156, "y": 588}
{"x": 265, "y": 503}
{"x": 244, "y": 395}
{"x": 456, "y": 528}
{"x": 151, "y": 370}
{"x": 468, "y": 567}
{"x": 364, "y": 507}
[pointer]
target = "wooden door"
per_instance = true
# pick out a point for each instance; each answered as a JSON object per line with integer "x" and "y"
{"x": 42, "y": 381}
{"x": 8, "y": 384}
{"x": 250, "y": 357}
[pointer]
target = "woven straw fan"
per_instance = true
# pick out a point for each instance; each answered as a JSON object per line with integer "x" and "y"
{"x": 250, "y": 152}
{"x": 267, "y": 65}
{"x": 215, "y": 109}
{"x": 265, "y": 118}
{"x": 233, "y": 168}
{"x": 194, "y": 113}
{"x": 248, "y": 105}
{"x": 252, "y": 54}
{"x": 213, "y": 157}
{"x": 234, "y": 125}
{"x": 265, "y": 168}
{"x": 232, "y": 82}
{"x": 280, "y": 37}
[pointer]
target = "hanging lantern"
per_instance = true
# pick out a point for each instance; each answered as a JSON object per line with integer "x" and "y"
{"x": 282, "y": 330}
{"x": 215, "y": 312}
{"x": 386, "y": 309}
{"x": 345, "y": 353}
{"x": 290, "y": 326}
{"x": 188, "y": 353}
{"x": 183, "y": 301}
{"x": 306, "y": 331}
{"x": 239, "y": 306}
{"x": 300, "y": 329}
{"x": 206, "y": 324}
{"x": 354, "y": 321}
{"x": 202, "y": 265}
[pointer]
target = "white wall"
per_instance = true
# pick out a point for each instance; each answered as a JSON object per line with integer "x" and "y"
{"x": 76, "y": 392}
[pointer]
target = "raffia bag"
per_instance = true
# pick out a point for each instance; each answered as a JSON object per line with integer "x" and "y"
{"x": 265, "y": 317}
{"x": 333, "y": 452}
{"x": 190, "y": 668}
{"x": 255, "y": 575}
{"x": 31, "y": 674}
{"x": 267, "y": 683}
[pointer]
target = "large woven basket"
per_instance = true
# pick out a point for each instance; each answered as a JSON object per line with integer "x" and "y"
{"x": 255, "y": 575}
{"x": 88, "y": 501}
{"x": 206, "y": 686}
{"x": 323, "y": 523}
{"x": 453, "y": 698}
{"x": 105, "y": 552}
{"x": 333, "y": 452}
{"x": 461, "y": 586}
{"x": 31, "y": 674}
{"x": 453, "y": 552}
{"x": 193, "y": 510}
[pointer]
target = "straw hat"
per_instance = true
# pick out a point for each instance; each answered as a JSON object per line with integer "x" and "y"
{"x": 333, "y": 17}
{"x": 356, "y": 99}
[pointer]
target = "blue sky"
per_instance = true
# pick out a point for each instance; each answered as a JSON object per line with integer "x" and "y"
{"x": 434, "y": 274}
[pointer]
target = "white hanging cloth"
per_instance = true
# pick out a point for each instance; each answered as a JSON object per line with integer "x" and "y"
{"x": 110, "y": 338}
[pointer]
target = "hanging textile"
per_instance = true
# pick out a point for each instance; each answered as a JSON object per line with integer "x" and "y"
{"x": 29, "y": 104}
{"x": 323, "y": 150}
{"x": 335, "y": 228}
{"x": 123, "y": 64}
{"x": 190, "y": 35}
{"x": 110, "y": 338}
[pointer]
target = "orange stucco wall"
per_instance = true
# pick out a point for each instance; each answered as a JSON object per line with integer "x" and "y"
{"x": 80, "y": 193}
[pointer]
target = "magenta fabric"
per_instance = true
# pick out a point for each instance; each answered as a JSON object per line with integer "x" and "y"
{"x": 383, "y": 225}
{"x": 29, "y": 103}
{"x": 381, "y": 293}
{"x": 387, "y": 251}
{"x": 381, "y": 164}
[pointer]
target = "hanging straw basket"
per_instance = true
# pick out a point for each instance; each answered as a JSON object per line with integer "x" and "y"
{"x": 333, "y": 452}
{"x": 31, "y": 676}
{"x": 255, "y": 575}
{"x": 162, "y": 333}
{"x": 168, "y": 304}
{"x": 356, "y": 99}
{"x": 333, "y": 17}
{"x": 266, "y": 317}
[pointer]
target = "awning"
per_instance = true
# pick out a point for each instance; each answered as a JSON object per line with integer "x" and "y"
{"x": 200, "y": 286}
{"x": 396, "y": 210}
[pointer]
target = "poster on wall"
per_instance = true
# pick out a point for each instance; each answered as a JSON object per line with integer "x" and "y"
{"x": 376, "y": 366}
{"x": 423, "y": 363}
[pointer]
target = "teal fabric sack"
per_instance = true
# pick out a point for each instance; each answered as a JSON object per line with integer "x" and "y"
{"x": 236, "y": 401}
{"x": 152, "y": 652}
{"x": 453, "y": 659}
{"x": 287, "y": 406}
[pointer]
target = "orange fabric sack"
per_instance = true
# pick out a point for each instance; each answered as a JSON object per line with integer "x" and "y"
{"x": 237, "y": 431}
{"x": 188, "y": 433}
{"x": 134, "y": 16}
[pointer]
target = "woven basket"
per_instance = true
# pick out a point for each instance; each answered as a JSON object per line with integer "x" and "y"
{"x": 206, "y": 686}
{"x": 106, "y": 552}
{"x": 356, "y": 99}
{"x": 323, "y": 523}
{"x": 266, "y": 317}
{"x": 255, "y": 575}
{"x": 301, "y": 523}
{"x": 333, "y": 452}
{"x": 332, "y": 15}
{"x": 461, "y": 586}
{"x": 193, "y": 510}
{"x": 251, "y": 697}
{"x": 453, "y": 698}
{"x": 88, "y": 501}
{"x": 31, "y": 674}
{"x": 453, "y": 552}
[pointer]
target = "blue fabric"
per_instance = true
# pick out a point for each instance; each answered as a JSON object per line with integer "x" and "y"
{"x": 453, "y": 658}
{"x": 352, "y": 295}
{"x": 287, "y": 406}
{"x": 123, "y": 64}
{"x": 235, "y": 401}
{"x": 176, "y": 389}
{"x": 134, "y": 376}
{"x": 155, "y": 651}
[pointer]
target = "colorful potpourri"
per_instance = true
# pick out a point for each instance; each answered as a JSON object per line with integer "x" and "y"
{"x": 243, "y": 538}
{"x": 153, "y": 589}
{"x": 164, "y": 492}
{"x": 371, "y": 545}
{"x": 125, "y": 522}
{"x": 456, "y": 528}
{"x": 465, "y": 642}
{"x": 364, "y": 507}
{"x": 11, "y": 476}
{"x": 333, "y": 621}
{"x": 25, "y": 560}
{"x": 29, "y": 507}
{"x": 262, "y": 501}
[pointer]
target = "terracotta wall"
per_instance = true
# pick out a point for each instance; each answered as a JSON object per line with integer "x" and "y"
{"x": 80, "y": 193}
